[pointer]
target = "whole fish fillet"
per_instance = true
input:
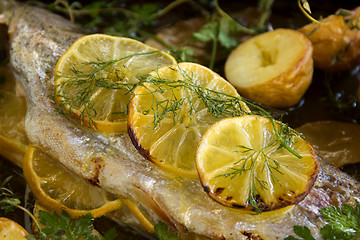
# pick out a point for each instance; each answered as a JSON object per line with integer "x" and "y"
{"x": 37, "y": 40}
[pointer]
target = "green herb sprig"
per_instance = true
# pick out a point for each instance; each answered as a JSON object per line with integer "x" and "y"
{"x": 221, "y": 28}
{"x": 217, "y": 103}
{"x": 53, "y": 226}
{"x": 248, "y": 163}
{"x": 163, "y": 232}
{"x": 137, "y": 20}
{"x": 341, "y": 223}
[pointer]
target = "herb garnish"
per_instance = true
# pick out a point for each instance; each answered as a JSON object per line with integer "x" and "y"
{"x": 52, "y": 225}
{"x": 102, "y": 74}
{"x": 163, "y": 232}
{"x": 341, "y": 224}
{"x": 138, "y": 20}
{"x": 217, "y": 103}
{"x": 270, "y": 164}
{"x": 221, "y": 28}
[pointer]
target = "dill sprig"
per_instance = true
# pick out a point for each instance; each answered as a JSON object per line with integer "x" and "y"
{"x": 248, "y": 164}
{"x": 217, "y": 103}
{"x": 99, "y": 75}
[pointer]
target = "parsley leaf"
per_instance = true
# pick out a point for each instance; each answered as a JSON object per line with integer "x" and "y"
{"x": 341, "y": 224}
{"x": 216, "y": 31}
{"x": 163, "y": 232}
{"x": 110, "y": 234}
{"x": 301, "y": 231}
{"x": 63, "y": 227}
{"x": 145, "y": 9}
{"x": 207, "y": 33}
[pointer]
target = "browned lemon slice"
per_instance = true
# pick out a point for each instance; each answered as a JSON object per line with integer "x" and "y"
{"x": 90, "y": 78}
{"x": 242, "y": 164}
{"x": 170, "y": 112}
{"x": 57, "y": 189}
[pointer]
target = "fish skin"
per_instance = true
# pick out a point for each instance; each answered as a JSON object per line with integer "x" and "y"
{"x": 37, "y": 39}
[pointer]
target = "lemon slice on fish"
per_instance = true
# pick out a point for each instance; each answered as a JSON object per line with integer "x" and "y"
{"x": 58, "y": 189}
{"x": 242, "y": 164}
{"x": 13, "y": 140}
{"x": 172, "y": 109}
{"x": 94, "y": 77}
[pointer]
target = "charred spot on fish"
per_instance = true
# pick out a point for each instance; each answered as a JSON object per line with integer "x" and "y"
{"x": 229, "y": 198}
{"x": 251, "y": 236}
{"x": 98, "y": 161}
{"x": 218, "y": 191}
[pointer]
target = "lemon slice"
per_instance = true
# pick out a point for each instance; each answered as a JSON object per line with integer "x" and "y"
{"x": 94, "y": 76}
{"x": 13, "y": 140}
{"x": 171, "y": 111}
{"x": 242, "y": 164}
{"x": 10, "y": 230}
{"x": 57, "y": 189}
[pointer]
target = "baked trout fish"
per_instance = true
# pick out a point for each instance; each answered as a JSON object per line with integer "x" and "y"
{"x": 37, "y": 40}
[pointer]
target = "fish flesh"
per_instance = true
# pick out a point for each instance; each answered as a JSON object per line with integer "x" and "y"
{"x": 37, "y": 40}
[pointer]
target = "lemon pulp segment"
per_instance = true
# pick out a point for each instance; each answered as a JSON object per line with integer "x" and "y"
{"x": 166, "y": 120}
{"x": 93, "y": 78}
{"x": 241, "y": 164}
